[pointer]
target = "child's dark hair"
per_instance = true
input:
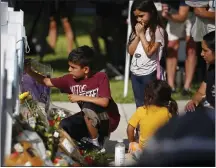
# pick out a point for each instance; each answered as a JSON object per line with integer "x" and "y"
{"x": 210, "y": 40}
{"x": 158, "y": 93}
{"x": 83, "y": 56}
{"x": 146, "y": 6}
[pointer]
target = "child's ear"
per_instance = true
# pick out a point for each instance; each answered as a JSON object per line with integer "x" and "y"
{"x": 86, "y": 69}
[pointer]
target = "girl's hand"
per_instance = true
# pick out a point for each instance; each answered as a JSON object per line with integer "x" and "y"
{"x": 74, "y": 98}
{"x": 139, "y": 29}
{"x": 133, "y": 147}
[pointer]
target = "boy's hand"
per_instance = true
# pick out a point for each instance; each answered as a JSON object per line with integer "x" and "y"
{"x": 74, "y": 98}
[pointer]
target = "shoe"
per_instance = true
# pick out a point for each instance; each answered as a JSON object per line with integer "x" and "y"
{"x": 86, "y": 144}
{"x": 186, "y": 92}
{"x": 173, "y": 90}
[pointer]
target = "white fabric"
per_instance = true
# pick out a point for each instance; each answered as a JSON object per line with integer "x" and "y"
{"x": 141, "y": 64}
{"x": 202, "y": 26}
{"x": 177, "y": 30}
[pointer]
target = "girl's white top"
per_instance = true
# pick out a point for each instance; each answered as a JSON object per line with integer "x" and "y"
{"x": 141, "y": 64}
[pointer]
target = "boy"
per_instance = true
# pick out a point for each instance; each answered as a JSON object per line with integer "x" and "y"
{"x": 99, "y": 113}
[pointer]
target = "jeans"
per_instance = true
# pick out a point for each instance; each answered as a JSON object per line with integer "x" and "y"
{"x": 138, "y": 85}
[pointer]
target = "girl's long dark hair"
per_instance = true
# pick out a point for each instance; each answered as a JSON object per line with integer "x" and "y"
{"x": 147, "y": 6}
{"x": 158, "y": 93}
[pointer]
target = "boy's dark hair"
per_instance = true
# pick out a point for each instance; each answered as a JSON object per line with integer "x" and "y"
{"x": 158, "y": 93}
{"x": 83, "y": 56}
{"x": 210, "y": 40}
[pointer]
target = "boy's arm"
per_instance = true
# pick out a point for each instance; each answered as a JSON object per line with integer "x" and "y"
{"x": 40, "y": 78}
{"x": 60, "y": 83}
{"x": 103, "y": 95}
{"x": 100, "y": 101}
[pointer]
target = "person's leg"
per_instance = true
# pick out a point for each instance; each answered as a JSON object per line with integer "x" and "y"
{"x": 75, "y": 126}
{"x": 95, "y": 34}
{"x": 66, "y": 11}
{"x": 175, "y": 31}
{"x": 68, "y": 33}
{"x": 171, "y": 62}
{"x": 138, "y": 90}
{"x": 190, "y": 62}
{"x": 191, "y": 58}
{"x": 93, "y": 131}
{"x": 97, "y": 121}
{"x": 52, "y": 33}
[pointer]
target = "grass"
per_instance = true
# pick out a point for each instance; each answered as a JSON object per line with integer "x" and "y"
{"x": 59, "y": 65}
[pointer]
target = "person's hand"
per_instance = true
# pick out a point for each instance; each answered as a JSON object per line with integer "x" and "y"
{"x": 165, "y": 11}
{"x": 74, "y": 98}
{"x": 139, "y": 29}
{"x": 190, "y": 106}
{"x": 133, "y": 147}
{"x": 27, "y": 65}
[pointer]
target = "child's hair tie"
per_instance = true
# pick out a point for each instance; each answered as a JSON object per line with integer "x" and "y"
{"x": 169, "y": 102}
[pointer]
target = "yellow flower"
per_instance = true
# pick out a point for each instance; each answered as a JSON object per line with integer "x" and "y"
{"x": 23, "y": 95}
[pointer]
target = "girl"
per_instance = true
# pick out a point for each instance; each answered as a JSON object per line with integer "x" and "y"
{"x": 158, "y": 108}
{"x": 146, "y": 44}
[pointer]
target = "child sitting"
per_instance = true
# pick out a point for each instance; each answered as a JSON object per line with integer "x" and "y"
{"x": 99, "y": 113}
{"x": 158, "y": 108}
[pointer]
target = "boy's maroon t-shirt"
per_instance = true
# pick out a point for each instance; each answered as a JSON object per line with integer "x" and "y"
{"x": 95, "y": 86}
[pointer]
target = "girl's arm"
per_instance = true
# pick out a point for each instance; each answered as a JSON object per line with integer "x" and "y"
{"x": 130, "y": 133}
{"x": 132, "y": 124}
{"x": 149, "y": 50}
{"x": 133, "y": 44}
